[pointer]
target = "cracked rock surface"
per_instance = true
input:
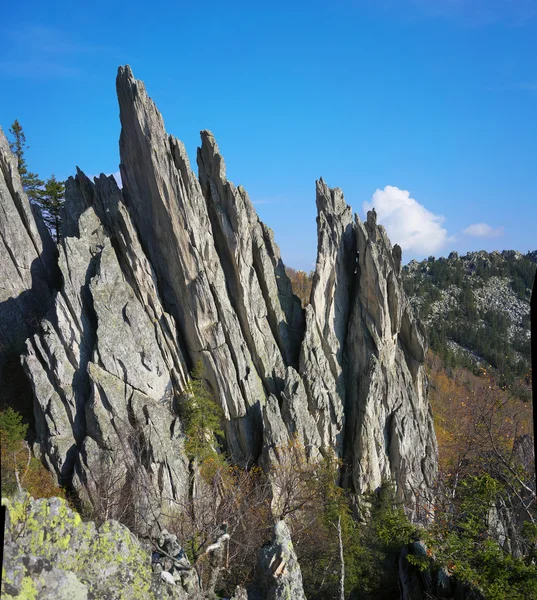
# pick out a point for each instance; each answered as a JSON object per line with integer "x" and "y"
{"x": 177, "y": 267}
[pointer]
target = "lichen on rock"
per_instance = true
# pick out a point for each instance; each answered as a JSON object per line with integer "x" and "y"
{"x": 51, "y": 553}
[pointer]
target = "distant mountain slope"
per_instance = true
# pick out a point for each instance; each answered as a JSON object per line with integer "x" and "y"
{"x": 476, "y": 307}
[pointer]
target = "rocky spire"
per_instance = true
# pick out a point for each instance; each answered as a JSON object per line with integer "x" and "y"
{"x": 327, "y": 316}
{"x": 271, "y": 315}
{"x": 27, "y": 265}
{"x": 279, "y": 575}
{"x": 176, "y": 268}
{"x": 170, "y": 213}
{"x": 334, "y": 272}
{"x": 389, "y": 429}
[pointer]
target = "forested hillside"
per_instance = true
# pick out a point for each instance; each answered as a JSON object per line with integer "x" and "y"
{"x": 476, "y": 312}
{"x": 476, "y": 309}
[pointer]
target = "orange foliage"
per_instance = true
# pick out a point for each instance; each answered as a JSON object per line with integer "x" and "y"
{"x": 33, "y": 476}
{"x": 468, "y": 410}
{"x": 301, "y": 283}
{"x": 40, "y": 483}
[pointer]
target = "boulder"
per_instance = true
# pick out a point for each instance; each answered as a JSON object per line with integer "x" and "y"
{"x": 50, "y": 553}
{"x": 279, "y": 575}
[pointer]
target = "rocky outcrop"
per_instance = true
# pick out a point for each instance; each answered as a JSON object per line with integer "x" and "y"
{"x": 389, "y": 433}
{"x": 322, "y": 356}
{"x": 279, "y": 575}
{"x": 333, "y": 281}
{"x": 51, "y": 554}
{"x": 170, "y": 561}
{"x": 27, "y": 268}
{"x": 416, "y": 583}
{"x": 176, "y": 268}
{"x": 106, "y": 367}
{"x": 269, "y": 313}
{"x": 218, "y": 275}
{"x": 178, "y": 240}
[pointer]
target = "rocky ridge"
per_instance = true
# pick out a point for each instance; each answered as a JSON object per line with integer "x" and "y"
{"x": 176, "y": 268}
{"x": 493, "y": 290}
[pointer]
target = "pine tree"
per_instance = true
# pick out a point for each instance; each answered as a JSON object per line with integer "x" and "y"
{"x": 30, "y": 181}
{"x": 201, "y": 417}
{"x": 51, "y": 202}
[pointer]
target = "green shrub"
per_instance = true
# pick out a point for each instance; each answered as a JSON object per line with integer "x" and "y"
{"x": 201, "y": 416}
{"x": 461, "y": 540}
{"x": 17, "y": 460}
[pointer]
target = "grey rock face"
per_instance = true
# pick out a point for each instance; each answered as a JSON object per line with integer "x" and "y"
{"x": 49, "y": 553}
{"x": 358, "y": 386}
{"x": 322, "y": 361}
{"x": 180, "y": 244}
{"x": 272, "y": 324}
{"x": 226, "y": 284}
{"x": 279, "y": 572}
{"x": 27, "y": 264}
{"x": 390, "y": 432}
{"x": 107, "y": 363}
{"x": 334, "y": 272}
{"x": 174, "y": 269}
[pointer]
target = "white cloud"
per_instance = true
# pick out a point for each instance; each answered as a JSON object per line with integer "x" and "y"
{"x": 408, "y": 222}
{"x": 483, "y": 230}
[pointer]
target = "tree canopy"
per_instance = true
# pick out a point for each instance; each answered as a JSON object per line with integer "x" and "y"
{"x": 31, "y": 183}
{"x": 51, "y": 203}
{"x": 49, "y": 195}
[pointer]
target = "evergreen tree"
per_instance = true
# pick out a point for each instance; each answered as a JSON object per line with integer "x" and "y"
{"x": 51, "y": 203}
{"x": 201, "y": 417}
{"x": 30, "y": 181}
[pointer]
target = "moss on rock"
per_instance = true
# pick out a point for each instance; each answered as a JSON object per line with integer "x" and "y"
{"x": 49, "y": 548}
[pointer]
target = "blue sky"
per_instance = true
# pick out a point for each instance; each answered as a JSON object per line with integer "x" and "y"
{"x": 426, "y": 109}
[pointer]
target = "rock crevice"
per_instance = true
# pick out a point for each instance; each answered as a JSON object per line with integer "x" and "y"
{"x": 175, "y": 268}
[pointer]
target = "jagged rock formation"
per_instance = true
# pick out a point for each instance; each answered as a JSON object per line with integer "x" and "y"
{"x": 390, "y": 432}
{"x": 51, "y": 554}
{"x": 105, "y": 366}
{"x": 322, "y": 358}
{"x": 279, "y": 575}
{"x": 27, "y": 270}
{"x": 176, "y": 268}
